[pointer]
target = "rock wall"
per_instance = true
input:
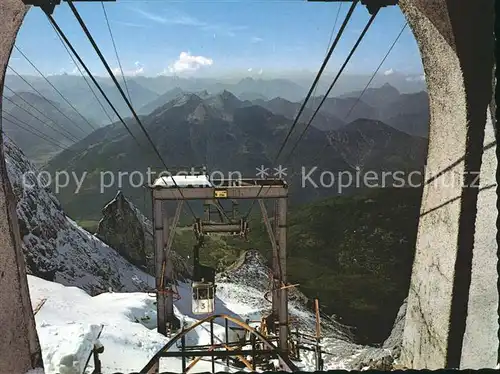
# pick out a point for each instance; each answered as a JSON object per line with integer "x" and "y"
{"x": 19, "y": 346}
{"x": 126, "y": 229}
{"x": 55, "y": 248}
{"x": 386, "y": 357}
{"x": 481, "y": 334}
{"x": 451, "y": 316}
{"x": 121, "y": 229}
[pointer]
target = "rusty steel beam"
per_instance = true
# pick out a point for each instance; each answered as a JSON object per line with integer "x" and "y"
{"x": 283, "y": 292}
{"x": 174, "y": 225}
{"x": 285, "y": 363}
{"x": 274, "y": 244}
{"x": 159, "y": 266}
{"x": 229, "y": 228}
{"x": 233, "y": 192}
{"x": 213, "y": 353}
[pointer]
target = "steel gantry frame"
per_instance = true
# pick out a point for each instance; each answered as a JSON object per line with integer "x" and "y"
{"x": 261, "y": 347}
{"x": 227, "y": 189}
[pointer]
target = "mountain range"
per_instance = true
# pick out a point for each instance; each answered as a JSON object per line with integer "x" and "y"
{"x": 406, "y": 112}
{"x": 41, "y": 127}
{"x": 144, "y": 90}
{"x": 227, "y": 135}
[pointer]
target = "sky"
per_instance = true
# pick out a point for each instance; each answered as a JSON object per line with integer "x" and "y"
{"x": 216, "y": 38}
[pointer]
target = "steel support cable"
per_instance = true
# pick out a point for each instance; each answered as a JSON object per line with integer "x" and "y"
{"x": 55, "y": 89}
{"x": 376, "y": 71}
{"x": 370, "y": 21}
{"x": 32, "y": 131}
{"x": 494, "y": 119}
{"x": 116, "y": 50}
{"x": 68, "y": 135}
{"x": 47, "y": 100}
{"x": 136, "y": 117}
{"x": 42, "y": 136}
{"x": 318, "y": 76}
{"x": 83, "y": 75}
{"x": 320, "y": 153}
{"x": 313, "y": 87}
{"x": 68, "y": 43}
{"x": 40, "y": 133}
{"x": 72, "y": 139}
{"x": 327, "y": 48}
{"x": 366, "y": 86}
{"x": 208, "y": 137}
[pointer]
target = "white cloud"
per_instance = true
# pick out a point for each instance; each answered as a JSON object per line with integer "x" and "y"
{"x": 256, "y": 39}
{"x": 151, "y": 16}
{"x": 417, "y": 78}
{"x": 389, "y": 72}
{"x": 139, "y": 69}
{"x": 129, "y": 24}
{"x": 250, "y": 70}
{"x": 73, "y": 71}
{"x": 260, "y": 72}
{"x": 178, "y": 18}
{"x": 189, "y": 63}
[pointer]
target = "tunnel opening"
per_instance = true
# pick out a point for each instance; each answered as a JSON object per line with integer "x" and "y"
{"x": 364, "y": 258}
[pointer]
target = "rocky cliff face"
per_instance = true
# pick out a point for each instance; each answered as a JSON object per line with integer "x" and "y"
{"x": 126, "y": 229}
{"x": 385, "y": 357}
{"x": 121, "y": 229}
{"x": 55, "y": 247}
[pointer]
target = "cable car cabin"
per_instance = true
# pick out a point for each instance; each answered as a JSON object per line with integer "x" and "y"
{"x": 203, "y": 298}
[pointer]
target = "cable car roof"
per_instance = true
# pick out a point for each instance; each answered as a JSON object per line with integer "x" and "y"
{"x": 183, "y": 181}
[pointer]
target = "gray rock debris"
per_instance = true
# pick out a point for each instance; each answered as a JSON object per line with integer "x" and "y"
{"x": 386, "y": 357}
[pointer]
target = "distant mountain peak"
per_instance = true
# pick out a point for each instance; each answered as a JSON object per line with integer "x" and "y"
{"x": 228, "y": 95}
{"x": 372, "y": 126}
{"x": 224, "y": 101}
{"x": 203, "y": 94}
{"x": 186, "y": 98}
{"x": 279, "y": 100}
{"x": 387, "y": 86}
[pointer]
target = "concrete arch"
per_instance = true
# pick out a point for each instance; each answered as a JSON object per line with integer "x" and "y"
{"x": 452, "y": 315}
{"x": 19, "y": 346}
{"x": 452, "y": 304}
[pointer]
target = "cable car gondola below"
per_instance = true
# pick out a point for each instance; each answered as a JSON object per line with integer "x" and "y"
{"x": 203, "y": 301}
{"x": 203, "y": 286}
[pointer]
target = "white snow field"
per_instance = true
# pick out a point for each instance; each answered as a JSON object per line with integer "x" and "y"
{"x": 69, "y": 321}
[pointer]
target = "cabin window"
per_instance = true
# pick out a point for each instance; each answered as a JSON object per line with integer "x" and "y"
{"x": 203, "y": 293}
